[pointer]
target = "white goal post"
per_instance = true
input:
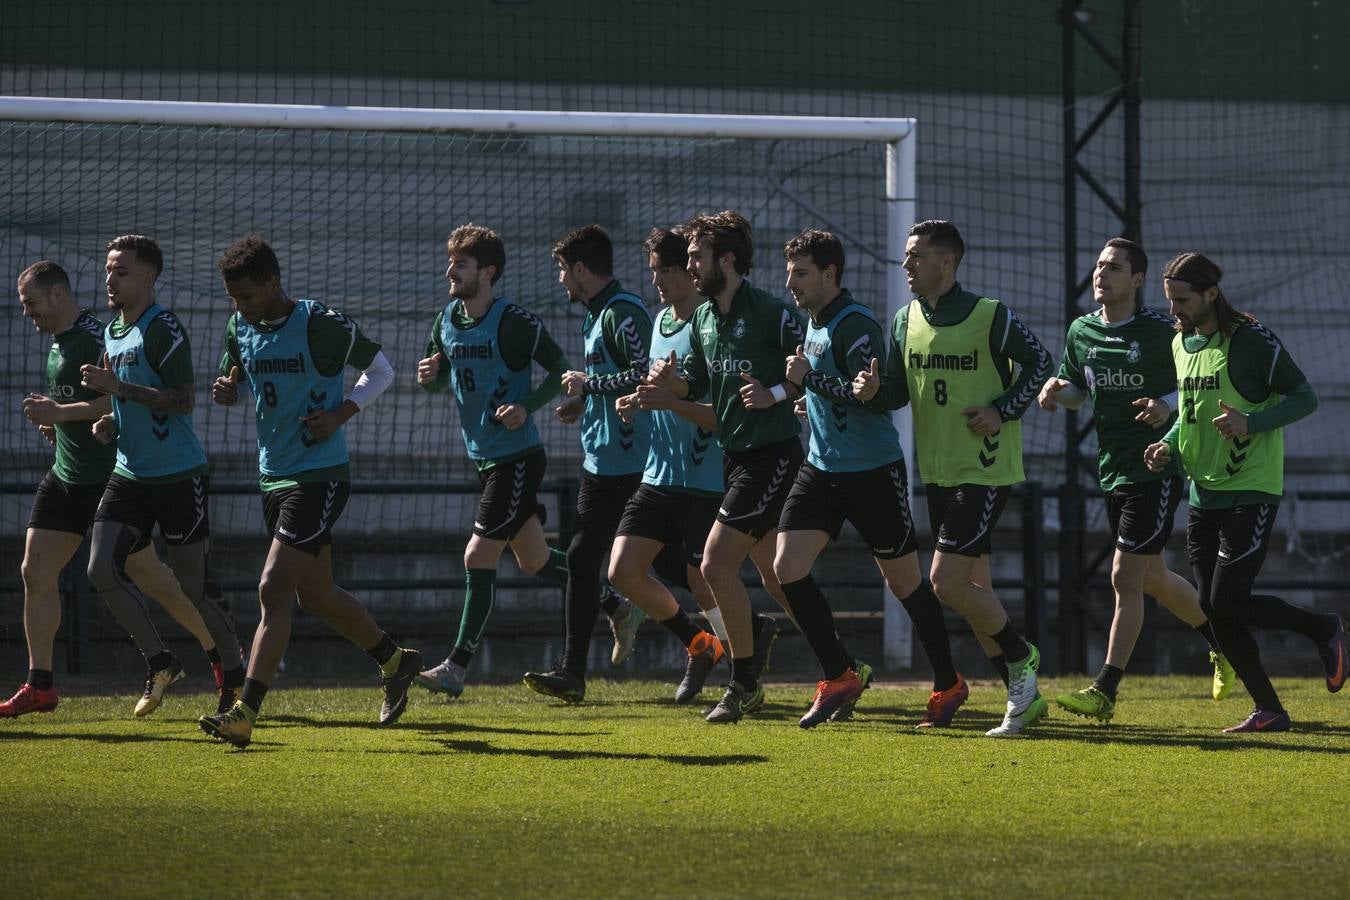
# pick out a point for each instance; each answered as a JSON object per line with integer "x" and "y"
{"x": 897, "y": 134}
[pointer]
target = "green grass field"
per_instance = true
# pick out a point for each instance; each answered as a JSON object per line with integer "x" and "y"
{"x": 506, "y": 793}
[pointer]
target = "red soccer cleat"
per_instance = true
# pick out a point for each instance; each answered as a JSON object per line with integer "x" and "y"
{"x": 28, "y": 699}
{"x": 942, "y": 705}
{"x": 830, "y": 695}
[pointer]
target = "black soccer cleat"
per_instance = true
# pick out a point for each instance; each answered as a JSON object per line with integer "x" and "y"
{"x": 558, "y": 683}
{"x": 396, "y": 686}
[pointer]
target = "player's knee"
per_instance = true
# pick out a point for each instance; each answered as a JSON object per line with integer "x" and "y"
{"x": 1127, "y": 579}
{"x": 34, "y": 572}
{"x": 623, "y": 573}
{"x": 788, "y": 568}
{"x": 273, "y": 593}
{"x": 947, "y": 582}
{"x": 102, "y": 569}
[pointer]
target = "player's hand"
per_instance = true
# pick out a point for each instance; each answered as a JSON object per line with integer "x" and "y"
{"x": 1232, "y": 422}
{"x": 511, "y": 415}
{"x": 626, "y": 406}
{"x": 1152, "y": 412}
{"x": 798, "y": 367}
{"x": 867, "y": 382}
{"x": 324, "y": 423}
{"x": 225, "y": 390}
{"x": 41, "y": 410}
{"x": 105, "y": 429}
{"x": 982, "y": 420}
{"x": 97, "y": 378}
{"x": 49, "y": 432}
{"x": 1158, "y": 456}
{"x": 650, "y": 397}
{"x": 1049, "y": 395}
{"x": 799, "y": 407}
{"x": 574, "y": 383}
{"x": 665, "y": 373}
{"x": 569, "y": 410}
{"x": 754, "y": 395}
{"x": 429, "y": 368}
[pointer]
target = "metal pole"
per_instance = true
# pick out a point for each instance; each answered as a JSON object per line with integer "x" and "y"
{"x": 901, "y": 190}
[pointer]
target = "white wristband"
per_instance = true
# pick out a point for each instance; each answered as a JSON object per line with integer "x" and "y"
{"x": 779, "y": 393}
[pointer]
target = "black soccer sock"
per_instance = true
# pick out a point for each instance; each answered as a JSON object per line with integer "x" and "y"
{"x": 1108, "y": 680}
{"x": 1011, "y": 643}
{"x": 1000, "y": 664}
{"x": 555, "y": 569}
{"x": 384, "y": 650}
{"x": 42, "y": 679}
{"x": 213, "y": 655}
{"x": 1277, "y": 613}
{"x": 925, "y": 611}
{"x": 254, "y": 692}
{"x": 743, "y": 673}
{"x": 682, "y": 627}
{"x": 234, "y": 678}
{"x": 814, "y": 617}
{"x": 610, "y": 600}
{"x": 1207, "y": 632}
{"x": 159, "y": 661}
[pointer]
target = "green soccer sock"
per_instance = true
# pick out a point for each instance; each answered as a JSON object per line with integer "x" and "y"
{"x": 480, "y": 592}
{"x": 555, "y": 570}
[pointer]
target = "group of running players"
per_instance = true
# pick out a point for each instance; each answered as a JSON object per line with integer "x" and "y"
{"x": 691, "y": 461}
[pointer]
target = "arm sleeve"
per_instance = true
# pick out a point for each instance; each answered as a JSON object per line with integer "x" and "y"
{"x": 442, "y": 380}
{"x": 1259, "y": 365}
{"x": 894, "y": 390}
{"x": 336, "y": 341}
{"x": 374, "y": 381}
{"x": 1020, "y": 346}
{"x": 694, "y": 368}
{"x": 168, "y": 351}
{"x": 231, "y": 357}
{"x": 857, "y": 341}
{"x": 1070, "y": 369}
{"x": 627, "y": 336}
{"x": 524, "y": 339}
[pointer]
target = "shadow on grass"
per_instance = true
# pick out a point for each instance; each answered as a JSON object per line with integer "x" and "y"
{"x": 680, "y": 759}
{"x": 427, "y": 727}
{"x": 1142, "y": 735}
{"x": 138, "y": 738}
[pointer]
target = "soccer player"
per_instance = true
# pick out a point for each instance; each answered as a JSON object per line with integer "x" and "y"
{"x": 952, "y": 355}
{"x": 1120, "y": 357}
{"x": 1238, "y": 389}
{"x": 616, "y": 331}
{"x": 482, "y": 347}
{"x": 740, "y": 338}
{"x": 69, "y": 493}
{"x": 291, "y": 354}
{"x": 854, "y": 470}
{"x": 160, "y": 475}
{"x": 675, "y": 505}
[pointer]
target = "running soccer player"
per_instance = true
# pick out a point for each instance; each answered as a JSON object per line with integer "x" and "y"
{"x": 69, "y": 493}
{"x": 160, "y": 475}
{"x": 1120, "y": 357}
{"x": 616, "y": 332}
{"x": 1238, "y": 389}
{"x": 675, "y": 505}
{"x": 481, "y": 347}
{"x": 291, "y": 354}
{"x": 952, "y": 355}
{"x": 740, "y": 338}
{"x": 854, "y": 470}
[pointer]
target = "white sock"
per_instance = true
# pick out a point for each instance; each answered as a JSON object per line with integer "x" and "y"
{"x": 714, "y": 617}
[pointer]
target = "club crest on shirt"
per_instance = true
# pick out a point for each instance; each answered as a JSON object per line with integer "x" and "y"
{"x": 738, "y": 330}
{"x": 1133, "y": 355}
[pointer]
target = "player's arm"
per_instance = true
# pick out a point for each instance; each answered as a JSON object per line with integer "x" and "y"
{"x": 433, "y": 370}
{"x": 887, "y": 389}
{"x": 651, "y": 397}
{"x": 44, "y": 411}
{"x": 335, "y": 342}
{"x": 1259, "y": 365}
{"x": 687, "y": 378}
{"x": 169, "y": 353}
{"x": 626, "y": 332}
{"x": 857, "y": 342}
{"x": 524, "y": 340}
{"x": 1068, "y": 386}
{"x": 229, "y": 374}
{"x": 1019, "y": 345}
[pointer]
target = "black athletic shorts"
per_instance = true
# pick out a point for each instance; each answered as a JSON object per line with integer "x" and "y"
{"x": 1234, "y": 539}
{"x": 963, "y": 517}
{"x": 61, "y": 506}
{"x": 601, "y": 500}
{"x": 303, "y": 516}
{"x": 179, "y": 508}
{"x": 510, "y": 496}
{"x": 1141, "y": 515}
{"x": 671, "y": 516}
{"x": 758, "y": 482}
{"x": 876, "y": 501}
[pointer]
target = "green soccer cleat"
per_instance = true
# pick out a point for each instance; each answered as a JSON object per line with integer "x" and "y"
{"x": 1015, "y": 723}
{"x": 1224, "y": 676}
{"x": 624, "y": 625}
{"x": 234, "y": 727}
{"x": 735, "y": 703}
{"x": 845, "y": 712}
{"x": 1090, "y": 703}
